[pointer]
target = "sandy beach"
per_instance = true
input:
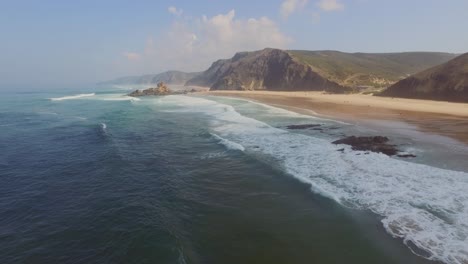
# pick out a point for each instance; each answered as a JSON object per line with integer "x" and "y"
{"x": 437, "y": 117}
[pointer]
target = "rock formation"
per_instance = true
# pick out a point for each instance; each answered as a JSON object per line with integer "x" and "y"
{"x": 161, "y": 89}
{"x": 377, "y": 144}
{"x": 268, "y": 69}
{"x": 448, "y": 82}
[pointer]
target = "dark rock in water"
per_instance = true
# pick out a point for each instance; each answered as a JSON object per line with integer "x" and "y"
{"x": 161, "y": 89}
{"x": 377, "y": 144}
{"x": 302, "y": 126}
{"x": 406, "y": 155}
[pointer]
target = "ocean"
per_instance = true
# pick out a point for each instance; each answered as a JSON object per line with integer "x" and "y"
{"x": 100, "y": 177}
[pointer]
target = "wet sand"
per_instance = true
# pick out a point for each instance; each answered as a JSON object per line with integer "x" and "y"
{"x": 440, "y": 118}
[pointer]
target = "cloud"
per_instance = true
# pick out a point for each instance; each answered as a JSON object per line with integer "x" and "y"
{"x": 330, "y": 5}
{"x": 132, "y": 56}
{"x": 192, "y": 44}
{"x": 173, "y": 10}
{"x": 290, "y": 6}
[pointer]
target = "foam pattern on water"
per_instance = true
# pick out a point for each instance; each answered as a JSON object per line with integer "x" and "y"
{"x": 72, "y": 97}
{"x": 227, "y": 143}
{"x": 425, "y": 206}
{"x": 283, "y": 112}
{"x": 101, "y": 97}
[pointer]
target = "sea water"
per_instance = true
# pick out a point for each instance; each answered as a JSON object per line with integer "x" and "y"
{"x": 106, "y": 178}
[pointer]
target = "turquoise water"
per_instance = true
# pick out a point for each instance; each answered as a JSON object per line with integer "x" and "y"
{"x": 105, "y": 178}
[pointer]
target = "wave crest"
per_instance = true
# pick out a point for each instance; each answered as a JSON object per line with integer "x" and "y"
{"x": 227, "y": 143}
{"x": 71, "y": 97}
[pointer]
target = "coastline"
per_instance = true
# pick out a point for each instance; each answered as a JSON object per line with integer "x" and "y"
{"x": 435, "y": 117}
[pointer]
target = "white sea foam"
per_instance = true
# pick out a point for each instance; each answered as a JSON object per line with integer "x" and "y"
{"x": 425, "y": 206}
{"x": 283, "y": 112}
{"x": 104, "y": 128}
{"x": 71, "y": 97}
{"x": 213, "y": 155}
{"x": 118, "y": 98}
{"x": 227, "y": 143}
{"x": 102, "y": 97}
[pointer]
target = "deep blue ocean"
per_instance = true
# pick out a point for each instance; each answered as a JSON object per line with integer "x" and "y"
{"x": 99, "y": 177}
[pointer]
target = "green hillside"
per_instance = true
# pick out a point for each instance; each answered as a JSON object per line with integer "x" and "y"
{"x": 369, "y": 69}
{"x": 448, "y": 81}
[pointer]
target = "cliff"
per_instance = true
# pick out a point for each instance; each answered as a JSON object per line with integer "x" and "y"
{"x": 448, "y": 82}
{"x": 268, "y": 69}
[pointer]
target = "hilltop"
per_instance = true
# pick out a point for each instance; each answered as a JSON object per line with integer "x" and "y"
{"x": 369, "y": 69}
{"x": 268, "y": 69}
{"x": 273, "y": 69}
{"x": 448, "y": 81}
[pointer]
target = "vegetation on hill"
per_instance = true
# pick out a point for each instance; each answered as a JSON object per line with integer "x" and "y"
{"x": 273, "y": 69}
{"x": 448, "y": 81}
{"x": 368, "y": 69}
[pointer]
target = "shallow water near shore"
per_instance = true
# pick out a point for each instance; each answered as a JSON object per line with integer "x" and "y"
{"x": 106, "y": 178}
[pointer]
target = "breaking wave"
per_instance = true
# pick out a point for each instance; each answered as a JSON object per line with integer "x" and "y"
{"x": 227, "y": 143}
{"x": 71, "y": 97}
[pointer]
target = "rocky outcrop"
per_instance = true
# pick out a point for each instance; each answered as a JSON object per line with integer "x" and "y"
{"x": 448, "y": 82}
{"x": 161, "y": 89}
{"x": 268, "y": 69}
{"x": 377, "y": 144}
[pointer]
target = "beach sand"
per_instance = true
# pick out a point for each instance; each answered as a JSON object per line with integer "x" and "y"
{"x": 436, "y": 117}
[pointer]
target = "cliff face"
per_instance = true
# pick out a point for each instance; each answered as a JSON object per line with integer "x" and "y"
{"x": 268, "y": 69}
{"x": 448, "y": 81}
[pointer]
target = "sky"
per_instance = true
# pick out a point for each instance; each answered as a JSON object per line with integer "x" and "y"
{"x": 60, "y": 43}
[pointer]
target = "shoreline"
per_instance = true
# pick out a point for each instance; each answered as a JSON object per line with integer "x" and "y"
{"x": 361, "y": 100}
{"x": 435, "y": 117}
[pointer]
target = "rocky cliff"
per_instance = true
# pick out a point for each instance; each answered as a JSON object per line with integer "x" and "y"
{"x": 268, "y": 69}
{"x": 448, "y": 82}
